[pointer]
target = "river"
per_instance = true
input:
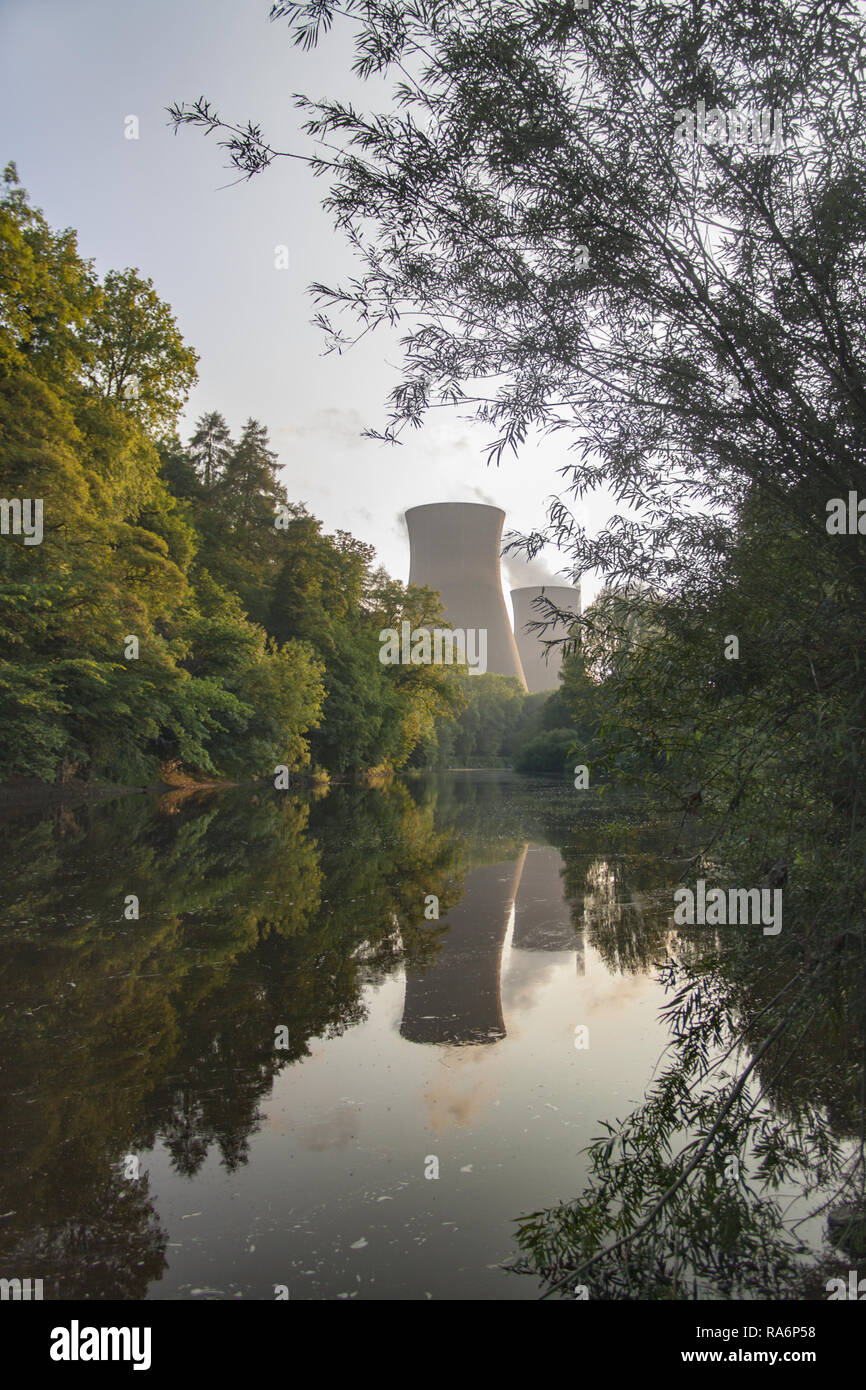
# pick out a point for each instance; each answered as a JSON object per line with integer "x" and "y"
{"x": 285, "y": 1076}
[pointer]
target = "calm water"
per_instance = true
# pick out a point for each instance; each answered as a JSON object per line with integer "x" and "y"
{"x": 248, "y": 1085}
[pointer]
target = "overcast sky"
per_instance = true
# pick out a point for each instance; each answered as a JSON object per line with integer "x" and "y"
{"x": 69, "y": 76}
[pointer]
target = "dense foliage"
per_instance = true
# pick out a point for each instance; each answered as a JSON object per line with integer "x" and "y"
{"x": 501, "y": 726}
{"x": 255, "y": 635}
{"x": 689, "y": 317}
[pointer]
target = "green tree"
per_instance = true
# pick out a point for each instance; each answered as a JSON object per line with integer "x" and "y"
{"x": 135, "y": 354}
{"x": 119, "y": 654}
{"x": 47, "y": 292}
{"x": 210, "y": 448}
{"x": 249, "y": 486}
{"x": 689, "y": 316}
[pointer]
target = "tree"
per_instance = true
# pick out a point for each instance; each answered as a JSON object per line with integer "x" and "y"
{"x": 550, "y": 752}
{"x": 321, "y": 579}
{"x": 713, "y": 340}
{"x": 120, "y": 653}
{"x": 178, "y": 469}
{"x": 47, "y": 292}
{"x": 688, "y": 315}
{"x": 210, "y": 448}
{"x": 249, "y": 486}
{"x": 327, "y": 593}
{"x": 238, "y": 510}
{"x": 135, "y": 354}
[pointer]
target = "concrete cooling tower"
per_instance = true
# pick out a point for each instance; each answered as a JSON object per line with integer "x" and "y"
{"x": 455, "y": 548}
{"x": 541, "y": 665}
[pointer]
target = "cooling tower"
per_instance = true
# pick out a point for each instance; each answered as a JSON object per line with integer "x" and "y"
{"x": 541, "y": 665}
{"x": 455, "y": 548}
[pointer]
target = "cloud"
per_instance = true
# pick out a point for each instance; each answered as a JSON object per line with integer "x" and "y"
{"x": 333, "y": 422}
{"x": 529, "y": 973}
{"x": 484, "y": 497}
{"x": 521, "y": 573}
{"x": 335, "y": 1130}
{"x": 458, "y": 1103}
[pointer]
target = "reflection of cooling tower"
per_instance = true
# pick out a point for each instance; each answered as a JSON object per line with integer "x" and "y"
{"x": 541, "y": 664}
{"x": 543, "y": 916}
{"x": 457, "y": 998}
{"x": 454, "y": 547}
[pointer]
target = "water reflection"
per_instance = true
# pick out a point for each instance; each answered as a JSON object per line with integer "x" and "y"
{"x": 142, "y": 1080}
{"x": 456, "y": 999}
{"x": 547, "y": 919}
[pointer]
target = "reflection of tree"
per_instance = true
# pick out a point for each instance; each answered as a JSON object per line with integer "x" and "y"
{"x": 826, "y": 1071}
{"x": 255, "y": 911}
{"x": 618, "y": 875}
{"x": 110, "y": 1246}
{"x": 763, "y": 1068}
{"x": 616, "y": 929}
{"x": 259, "y": 910}
{"x": 788, "y": 1015}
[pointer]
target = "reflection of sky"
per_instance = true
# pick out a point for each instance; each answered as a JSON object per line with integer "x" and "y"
{"x": 334, "y": 1199}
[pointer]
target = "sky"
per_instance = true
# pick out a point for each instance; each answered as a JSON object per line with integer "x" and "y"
{"x": 70, "y": 75}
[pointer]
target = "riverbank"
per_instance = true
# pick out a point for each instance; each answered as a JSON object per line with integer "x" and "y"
{"x": 30, "y": 794}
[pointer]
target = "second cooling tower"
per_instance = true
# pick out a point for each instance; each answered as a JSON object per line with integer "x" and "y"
{"x": 541, "y": 664}
{"x": 455, "y": 548}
